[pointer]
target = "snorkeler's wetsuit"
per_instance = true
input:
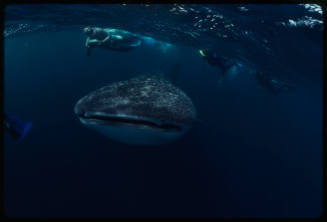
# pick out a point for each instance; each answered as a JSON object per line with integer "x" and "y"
{"x": 119, "y": 39}
{"x": 219, "y": 61}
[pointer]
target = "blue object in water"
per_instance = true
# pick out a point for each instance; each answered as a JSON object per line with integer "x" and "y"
{"x": 16, "y": 127}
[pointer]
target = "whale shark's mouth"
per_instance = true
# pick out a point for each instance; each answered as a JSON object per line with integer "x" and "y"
{"x": 110, "y": 119}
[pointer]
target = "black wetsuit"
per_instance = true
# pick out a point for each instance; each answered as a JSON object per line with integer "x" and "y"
{"x": 99, "y": 34}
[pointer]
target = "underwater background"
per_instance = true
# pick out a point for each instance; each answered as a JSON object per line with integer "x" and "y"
{"x": 252, "y": 153}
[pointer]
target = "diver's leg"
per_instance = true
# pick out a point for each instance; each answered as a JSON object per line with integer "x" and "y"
{"x": 88, "y": 51}
{"x": 91, "y": 44}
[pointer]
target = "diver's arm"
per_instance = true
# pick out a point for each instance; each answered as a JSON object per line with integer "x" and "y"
{"x": 92, "y": 43}
{"x": 88, "y": 51}
{"x": 87, "y": 42}
{"x": 104, "y": 40}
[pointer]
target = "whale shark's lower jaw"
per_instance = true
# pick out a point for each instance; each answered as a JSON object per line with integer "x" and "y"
{"x": 133, "y": 130}
{"x": 132, "y": 121}
{"x": 137, "y": 136}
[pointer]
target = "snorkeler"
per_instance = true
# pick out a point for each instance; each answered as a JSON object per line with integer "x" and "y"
{"x": 16, "y": 127}
{"x": 274, "y": 85}
{"x": 112, "y": 39}
{"x": 223, "y": 63}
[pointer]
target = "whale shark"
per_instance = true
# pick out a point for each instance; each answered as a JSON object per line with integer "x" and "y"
{"x": 144, "y": 110}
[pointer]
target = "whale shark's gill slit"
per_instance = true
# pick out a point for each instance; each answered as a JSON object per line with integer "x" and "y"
{"x": 166, "y": 126}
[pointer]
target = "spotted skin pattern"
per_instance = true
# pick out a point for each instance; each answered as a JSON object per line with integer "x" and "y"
{"x": 146, "y": 96}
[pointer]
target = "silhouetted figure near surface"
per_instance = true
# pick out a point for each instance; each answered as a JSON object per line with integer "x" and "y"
{"x": 226, "y": 65}
{"x": 274, "y": 85}
{"x": 112, "y": 39}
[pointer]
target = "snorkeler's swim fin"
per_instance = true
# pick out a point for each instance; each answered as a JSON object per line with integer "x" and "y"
{"x": 16, "y": 127}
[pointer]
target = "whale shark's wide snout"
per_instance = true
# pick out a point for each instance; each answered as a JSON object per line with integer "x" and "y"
{"x": 147, "y": 110}
{"x": 131, "y": 121}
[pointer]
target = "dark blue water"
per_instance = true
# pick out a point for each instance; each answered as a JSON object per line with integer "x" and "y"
{"x": 251, "y": 153}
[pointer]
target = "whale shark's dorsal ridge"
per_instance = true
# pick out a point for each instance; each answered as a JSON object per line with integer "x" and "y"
{"x": 144, "y": 102}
